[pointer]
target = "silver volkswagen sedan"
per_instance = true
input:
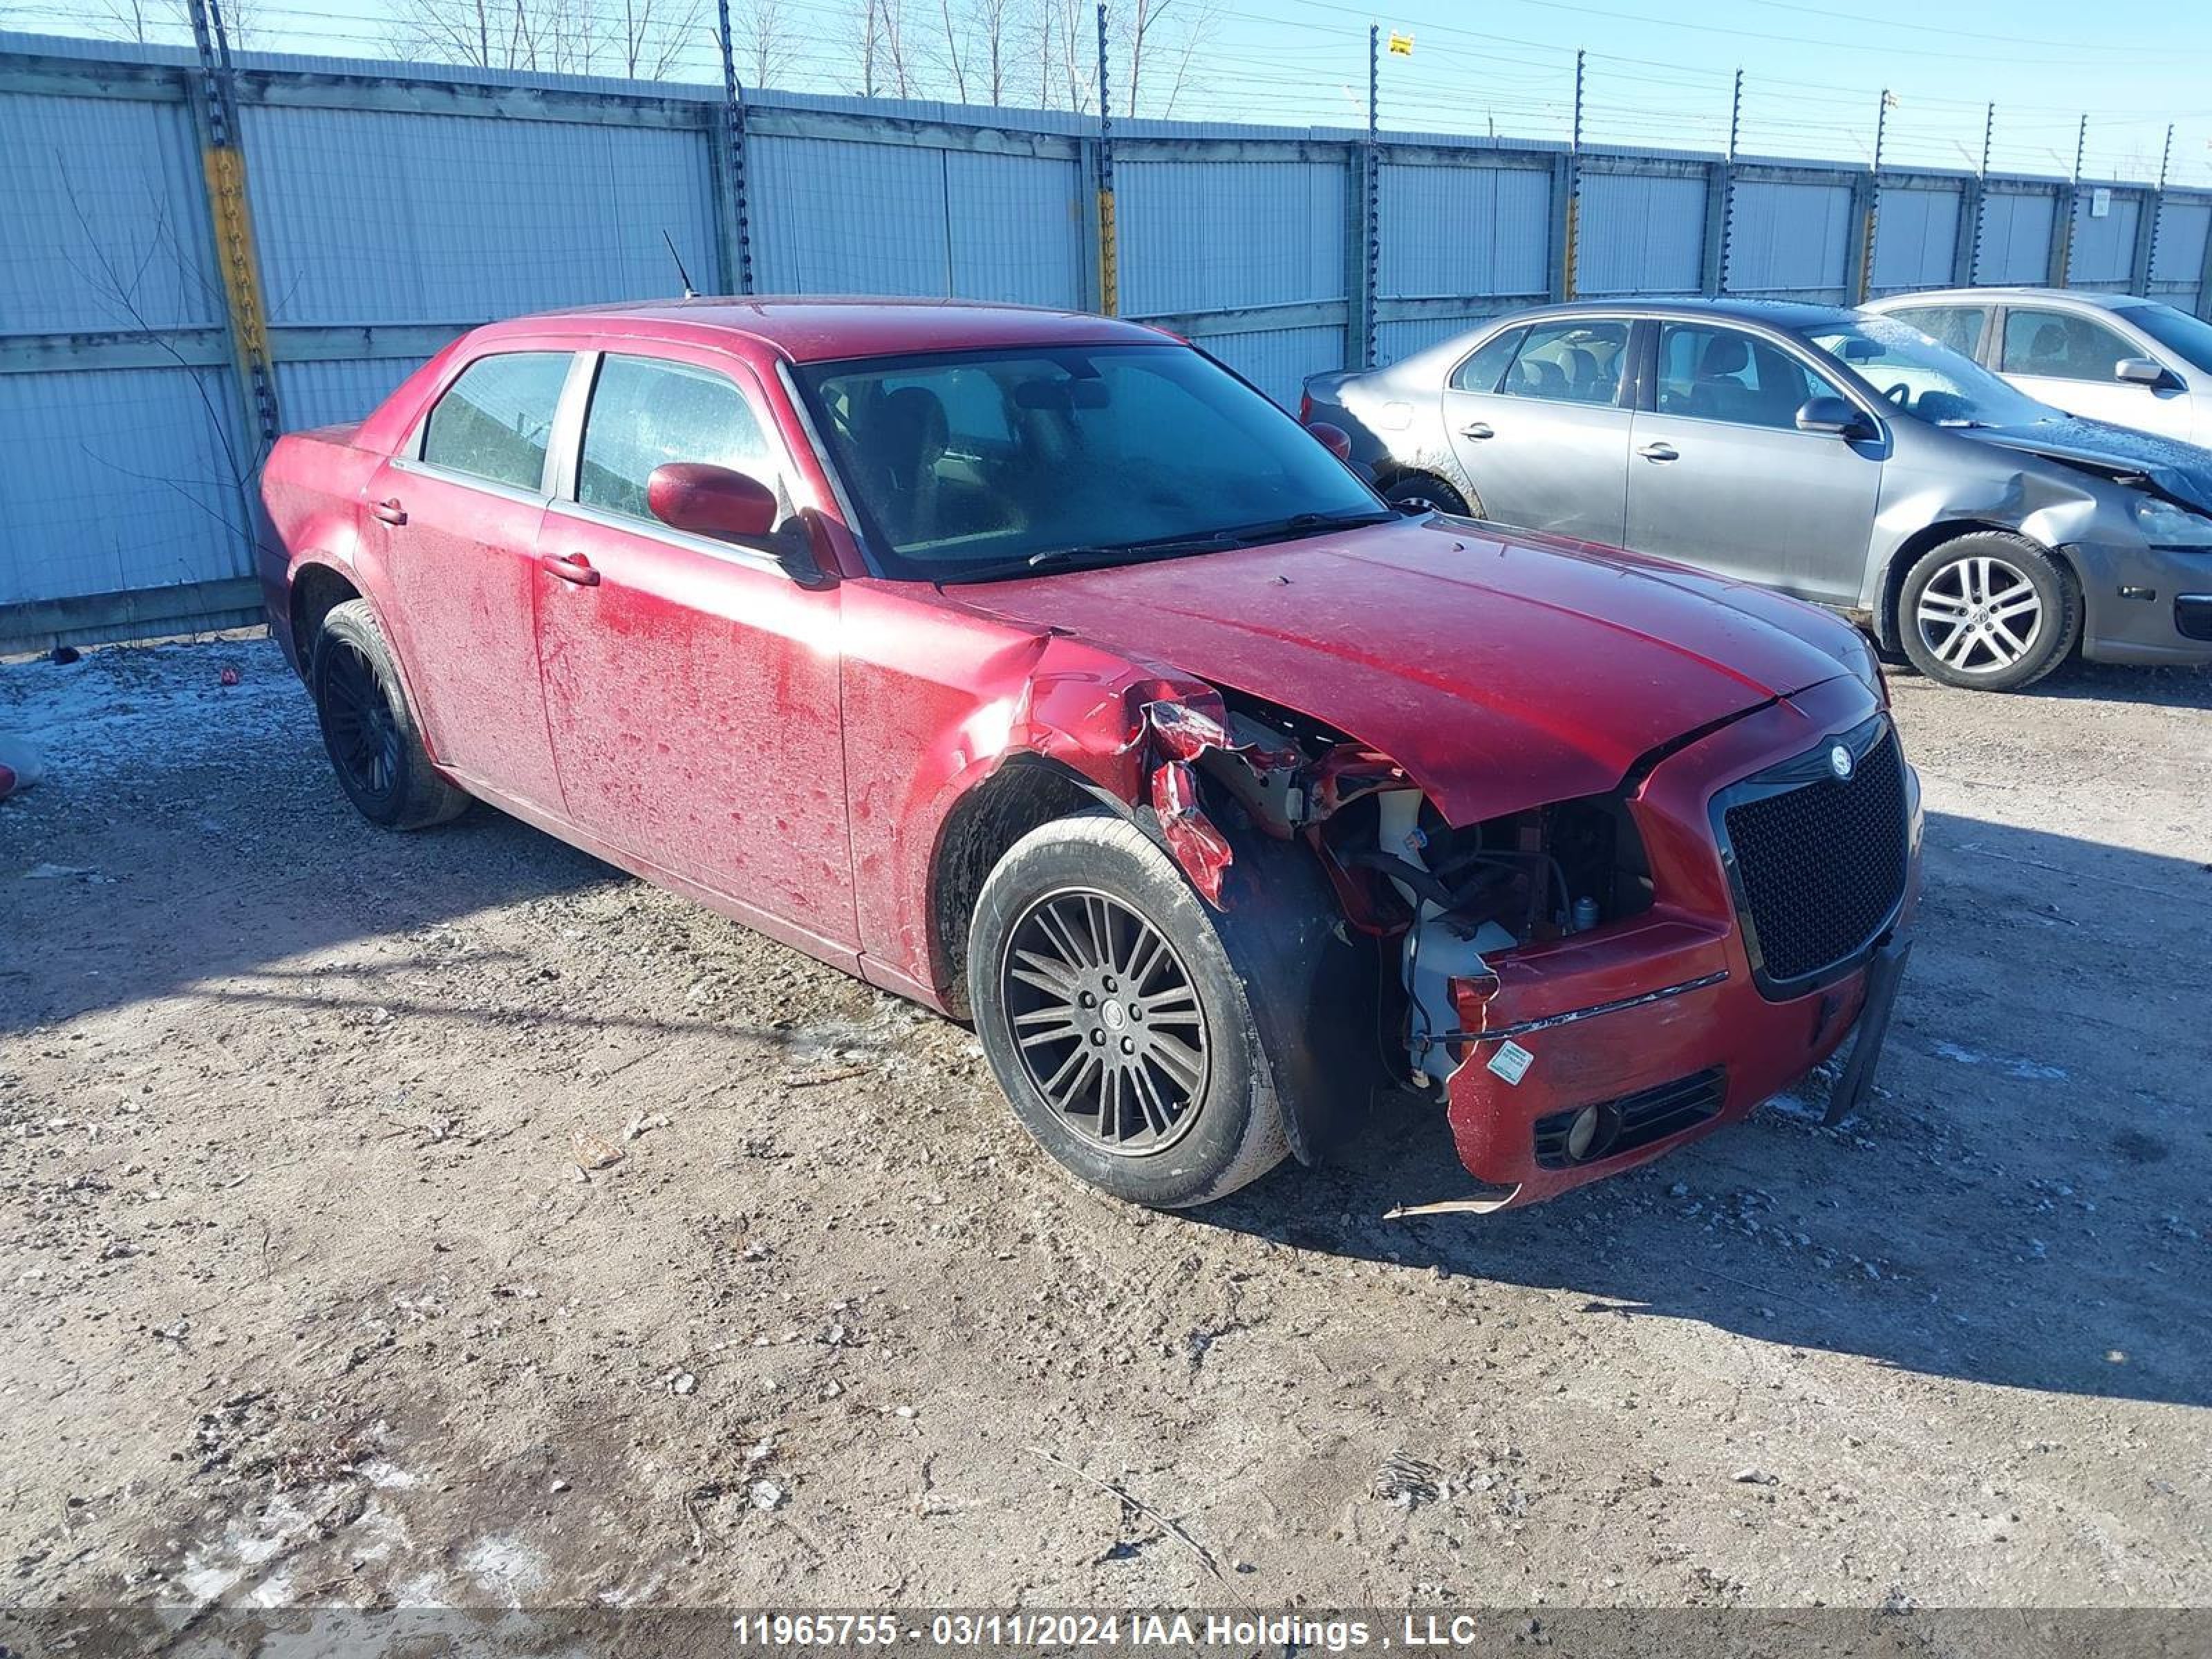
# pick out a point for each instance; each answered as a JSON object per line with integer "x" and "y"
{"x": 1842, "y": 458}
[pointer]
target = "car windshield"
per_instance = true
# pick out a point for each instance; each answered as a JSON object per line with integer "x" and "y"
{"x": 1927, "y": 381}
{"x": 2187, "y": 337}
{"x": 973, "y": 465}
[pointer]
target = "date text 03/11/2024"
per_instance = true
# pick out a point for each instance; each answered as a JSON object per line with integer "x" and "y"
{"x": 1141, "y": 1631}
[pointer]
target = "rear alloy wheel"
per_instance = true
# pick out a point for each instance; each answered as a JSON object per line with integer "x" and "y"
{"x": 374, "y": 745}
{"x": 1990, "y": 612}
{"x": 1420, "y": 493}
{"x": 1108, "y": 1004}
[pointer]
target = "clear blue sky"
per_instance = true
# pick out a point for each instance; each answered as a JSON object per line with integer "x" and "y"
{"x": 1658, "y": 75}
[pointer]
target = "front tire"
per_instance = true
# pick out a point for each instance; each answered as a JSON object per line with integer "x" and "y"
{"x": 1990, "y": 612}
{"x": 1114, "y": 1020}
{"x": 374, "y": 744}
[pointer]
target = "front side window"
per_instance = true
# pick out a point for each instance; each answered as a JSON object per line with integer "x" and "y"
{"x": 1923, "y": 380}
{"x": 1959, "y": 327}
{"x": 1724, "y": 375}
{"x": 646, "y": 412}
{"x": 969, "y": 464}
{"x": 494, "y": 420}
{"x": 2187, "y": 337}
{"x": 1573, "y": 362}
{"x": 2061, "y": 345}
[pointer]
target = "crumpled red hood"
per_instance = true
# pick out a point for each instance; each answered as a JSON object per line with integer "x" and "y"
{"x": 1501, "y": 674}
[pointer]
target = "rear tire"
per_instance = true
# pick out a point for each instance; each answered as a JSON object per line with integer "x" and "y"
{"x": 1989, "y": 611}
{"x": 1114, "y": 1020}
{"x": 374, "y": 744}
{"x": 1412, "y": 492}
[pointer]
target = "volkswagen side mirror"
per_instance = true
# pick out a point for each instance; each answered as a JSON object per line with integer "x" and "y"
{"x": 2141, "y": 371}
{"x": 1833, "y": 417}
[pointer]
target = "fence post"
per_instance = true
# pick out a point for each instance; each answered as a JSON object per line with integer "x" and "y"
{"x": 1367, "y": 176}
{"x": 2061, "y": 229}
{"x": 1720, "y": 185}
{"x": 732, "y": 205}
{"x": 1869, "y": 197}
{"x": 1109, "y": 251}
{"x": 230, "y": 212}
{"x": 1966, "y": 242}
{"x": 1573, "y": 182}
{"x": 1720, "y": 199}
{"x": 2147, "y": 227}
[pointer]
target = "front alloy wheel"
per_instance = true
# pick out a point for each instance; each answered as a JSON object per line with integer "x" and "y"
{"x": 1990, "y": 612}
{"x": 1979, "y": 615}
{"x": 1116, "y": 1014}
{"x": 1106, "y": 1020}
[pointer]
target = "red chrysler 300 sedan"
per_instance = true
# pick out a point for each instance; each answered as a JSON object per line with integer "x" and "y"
{"x": 1035, "y": 666}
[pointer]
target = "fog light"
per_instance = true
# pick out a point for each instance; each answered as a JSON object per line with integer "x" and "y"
{"x": 1581, "y": 1133}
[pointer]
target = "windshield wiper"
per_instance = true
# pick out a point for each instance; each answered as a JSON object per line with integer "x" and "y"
{"x": 1307, "y": 524}
{"x": 1069, "y": 558}
{"x": 1170, "y": 547}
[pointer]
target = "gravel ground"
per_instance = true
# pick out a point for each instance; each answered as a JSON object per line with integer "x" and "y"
{"x": 310, "y": 1302}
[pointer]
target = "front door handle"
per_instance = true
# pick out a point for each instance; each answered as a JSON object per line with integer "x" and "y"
{"x": 389, "y": 512}
{"x": 1477, "y": 429}
{"x": 1659, "y": 451}
{"x": 570, "y": 567}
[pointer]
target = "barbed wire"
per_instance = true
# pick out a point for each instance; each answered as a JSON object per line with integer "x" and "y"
{"x": 1461, "y": 80}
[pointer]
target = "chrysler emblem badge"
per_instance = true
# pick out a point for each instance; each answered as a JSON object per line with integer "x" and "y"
{"x": 1839, "y": 763}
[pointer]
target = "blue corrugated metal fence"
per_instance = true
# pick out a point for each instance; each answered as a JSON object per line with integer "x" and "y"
{"x": 395, "y": 206}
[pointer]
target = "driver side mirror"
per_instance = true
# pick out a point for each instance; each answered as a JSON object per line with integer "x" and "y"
{"x": 728, "y": 506}
{"x": 1833, "y": 417}
{"x": 2142, "y": 371}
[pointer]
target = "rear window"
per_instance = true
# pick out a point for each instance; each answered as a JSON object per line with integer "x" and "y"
{"x": 494, "y": 422}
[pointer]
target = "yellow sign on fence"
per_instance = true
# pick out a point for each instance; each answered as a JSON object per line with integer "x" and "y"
{"x": 1401, "y": 45}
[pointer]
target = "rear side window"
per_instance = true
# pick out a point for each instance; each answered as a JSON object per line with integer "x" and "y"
{"x": 2060, "y": 344}
{"x": 1576, "y": 362}
{"x": 493, "y": 421}
{"x": 1482, "y": 371}
{"x": 646, "y": 413}
{"x": 1959, "y": 327}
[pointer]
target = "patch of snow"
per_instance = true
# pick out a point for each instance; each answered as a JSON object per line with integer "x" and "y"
{"x": 114, "y": 710}
{"x": 504, "y": 1567}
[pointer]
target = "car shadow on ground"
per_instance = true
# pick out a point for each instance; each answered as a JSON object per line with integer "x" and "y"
{"x": 2090, "y": 682}
{"x": 2033, "y": 1219}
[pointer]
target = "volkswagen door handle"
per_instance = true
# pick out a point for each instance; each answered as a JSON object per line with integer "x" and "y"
{"x": 570, "y": 567}
{"x": 389, "y": 512}
{"x": 1477, "y": 429}
{"x": 1660, "y": 451}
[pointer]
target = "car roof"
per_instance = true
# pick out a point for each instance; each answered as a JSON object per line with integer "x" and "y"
{"x": 2019, "y": 291}
{"x": 1775, "y": 314}
{"x": 814, "y": 328}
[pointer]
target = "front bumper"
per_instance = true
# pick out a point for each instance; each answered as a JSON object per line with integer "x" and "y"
{"x": 2144, "y": 605}
{"x": 1659, "y": 1019}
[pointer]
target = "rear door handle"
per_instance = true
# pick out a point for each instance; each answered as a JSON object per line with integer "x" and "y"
{"x": 570, "y": 567}
{"x": 389, "y": 512}
{"x": 1660, "y": 451}
{"x": 1477, "y": 429}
